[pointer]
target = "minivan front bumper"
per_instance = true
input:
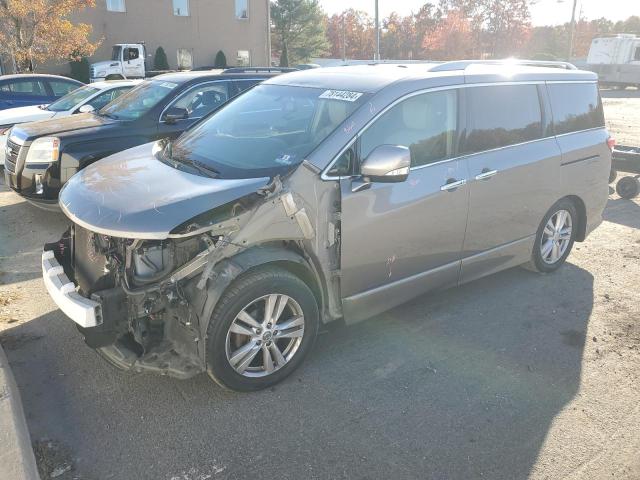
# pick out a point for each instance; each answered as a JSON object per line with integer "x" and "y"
{"x": 85, "y": 312}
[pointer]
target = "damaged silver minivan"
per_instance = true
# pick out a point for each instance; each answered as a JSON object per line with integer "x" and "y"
{"x": 321, "y": 195}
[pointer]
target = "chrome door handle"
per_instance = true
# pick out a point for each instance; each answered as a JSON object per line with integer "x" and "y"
{"x": 452, "y": 185}
{"x": 486, "y": 174}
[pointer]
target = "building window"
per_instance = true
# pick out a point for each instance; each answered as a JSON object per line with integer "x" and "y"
{"x": 181, "y": 8}
{"x": 185, "y": 59}
{"x": 244, "y": 58}
{"x": 116, "y": 6}
{"x": 242, "y": 9}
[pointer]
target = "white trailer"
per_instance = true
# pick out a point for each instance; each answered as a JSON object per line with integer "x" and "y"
{"x": 616, "y": 60}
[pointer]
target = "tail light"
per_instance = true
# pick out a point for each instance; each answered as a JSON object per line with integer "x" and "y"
{"x": 611, "y": 142}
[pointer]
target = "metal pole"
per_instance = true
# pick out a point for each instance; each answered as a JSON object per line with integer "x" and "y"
{"x": 376, "y": 56}
{"x": 344, "y": 41}
{"x": 572, "y": 29}
{"x": 268, "y": 33}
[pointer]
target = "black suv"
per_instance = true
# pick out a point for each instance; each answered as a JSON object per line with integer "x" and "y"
{"x": 42, "y": 156}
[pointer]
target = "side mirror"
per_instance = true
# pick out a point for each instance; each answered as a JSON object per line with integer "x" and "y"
{"x": 86, "y": 108}
{"x": 387, "y": 164}
{"x": 173, "y": 114}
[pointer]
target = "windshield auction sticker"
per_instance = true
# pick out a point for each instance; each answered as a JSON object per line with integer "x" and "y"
{"x": 343, "y": 95}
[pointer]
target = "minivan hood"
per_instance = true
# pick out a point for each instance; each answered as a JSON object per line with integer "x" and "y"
{"x": 11, "y": 116}
{"x": 133, "y": 195}
{"x": 59, "y": 125}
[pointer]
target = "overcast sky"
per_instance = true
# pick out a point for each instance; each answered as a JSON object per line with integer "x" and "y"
{"x": 544, "y": 12}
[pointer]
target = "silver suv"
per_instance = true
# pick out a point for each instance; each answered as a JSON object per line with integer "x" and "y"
{"x": 321, "y": 195}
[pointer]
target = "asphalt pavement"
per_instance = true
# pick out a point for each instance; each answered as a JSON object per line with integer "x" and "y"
{"x": 498, "y": 379}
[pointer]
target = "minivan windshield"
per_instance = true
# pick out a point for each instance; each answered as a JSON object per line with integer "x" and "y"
{"x": 266, "y": 131}
{"x": 72, "y": 99}
{"x": 138, "y": 101}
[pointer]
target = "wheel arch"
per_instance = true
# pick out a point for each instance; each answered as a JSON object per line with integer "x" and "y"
{"x": 232, "y": 268}
{"x": 581, "y": 209}
{"x": 287, "y": 258}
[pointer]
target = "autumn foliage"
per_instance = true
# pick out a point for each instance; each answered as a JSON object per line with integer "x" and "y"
{"x": 452, "y": 38}
{"x": 458, "y": 29}
{"x": 35, "y": 31}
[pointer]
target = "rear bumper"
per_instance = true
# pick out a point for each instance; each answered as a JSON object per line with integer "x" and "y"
{"x": 85, "y": 312}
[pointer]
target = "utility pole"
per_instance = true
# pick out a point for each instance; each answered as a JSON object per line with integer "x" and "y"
{"x": 572, "y": 29}
{"x": 376, "y": 55}
{"x": 268, "y": 33}
{"x": 344, "y": 41}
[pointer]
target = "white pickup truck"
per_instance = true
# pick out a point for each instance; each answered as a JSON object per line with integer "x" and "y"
{"x": 616, "y": 60}
{"x": 127, "y": 62}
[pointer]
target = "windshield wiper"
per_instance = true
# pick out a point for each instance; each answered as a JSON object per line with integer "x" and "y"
{"x": 206, "y": 170}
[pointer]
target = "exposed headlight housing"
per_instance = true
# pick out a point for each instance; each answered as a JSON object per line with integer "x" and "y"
{"x": 44, "y": 150}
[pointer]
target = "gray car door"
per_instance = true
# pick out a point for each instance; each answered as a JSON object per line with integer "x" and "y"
{"x": 513, "y": 175}
{"x": 399, "y": 240}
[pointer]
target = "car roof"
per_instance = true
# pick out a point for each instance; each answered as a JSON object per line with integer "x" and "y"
{"x": 371, "y": 78}
{"x": 187, "y": 76}
{"x": 17, "y": 76}
{"x": 104, "y": 84}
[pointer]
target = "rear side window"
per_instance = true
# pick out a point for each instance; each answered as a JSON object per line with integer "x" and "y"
{"x": 502, "y": 115}
{"x": 62, "y": 88}
{"x": 575, "y": 107}
{"x": 26, "y": 87}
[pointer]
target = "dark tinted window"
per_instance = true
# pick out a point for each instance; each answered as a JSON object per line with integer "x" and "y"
{"x": 575, "y": 106}
{"x": 502, "y": 115}
{"x": 61, "y": 88}
{"x": 425, "y": 123}
{"x": 25, "y": 87}
{"x": 242, "y": 85}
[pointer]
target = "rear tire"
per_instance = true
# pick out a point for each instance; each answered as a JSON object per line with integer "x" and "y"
{"x": 628, "y": 187}
{"x": 249, "y": 349}
{"x": 554, "y": 238}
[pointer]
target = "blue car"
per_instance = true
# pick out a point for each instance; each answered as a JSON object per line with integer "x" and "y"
{"x": 29, "y": 89}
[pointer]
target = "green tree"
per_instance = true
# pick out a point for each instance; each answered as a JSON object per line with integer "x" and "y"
{"x": 297, "y": 30}
{"x": 221, "y": 60}
{"x": 80, "y": 69}
{"x": 160, "y": 61}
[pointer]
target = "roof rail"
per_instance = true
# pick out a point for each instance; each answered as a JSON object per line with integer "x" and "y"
{"x": 259, "y": 70}
{"x": 462, "y": 64}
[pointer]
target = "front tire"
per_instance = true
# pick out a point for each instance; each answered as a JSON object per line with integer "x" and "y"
{"x": 554, "y": 238}
{"x": 263, "y": 326}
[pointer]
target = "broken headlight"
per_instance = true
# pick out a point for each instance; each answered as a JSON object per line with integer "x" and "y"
{"x": 151, "y": 261}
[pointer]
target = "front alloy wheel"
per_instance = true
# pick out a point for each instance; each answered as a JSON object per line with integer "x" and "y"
{"x": 265, "y": 335}
{"x": 261, "y": 329}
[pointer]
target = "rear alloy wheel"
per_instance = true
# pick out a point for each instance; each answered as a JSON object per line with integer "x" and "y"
{"x": 628, "y": 187}
{"x": 263, "y": 326}
{"x": 555, "y": 238}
